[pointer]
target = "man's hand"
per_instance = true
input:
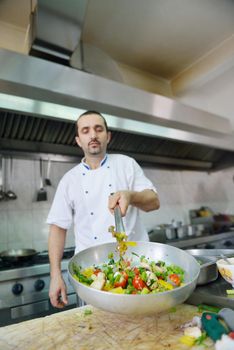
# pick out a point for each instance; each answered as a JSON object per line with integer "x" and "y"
{"x": 121, "y": 198}
{"x": 145, "y": 200}
{"x": 58, "y": 292}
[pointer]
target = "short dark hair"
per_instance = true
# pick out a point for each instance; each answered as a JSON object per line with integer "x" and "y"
{"x": 91, "y": 112}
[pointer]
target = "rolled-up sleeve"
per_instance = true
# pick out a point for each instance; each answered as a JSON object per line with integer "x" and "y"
{"x": 61, "y": 210}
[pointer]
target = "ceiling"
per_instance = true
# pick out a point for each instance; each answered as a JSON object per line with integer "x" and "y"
{"x": 163, "y": 37}
{"x": 166, "y": 38}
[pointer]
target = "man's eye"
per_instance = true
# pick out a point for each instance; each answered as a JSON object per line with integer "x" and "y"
{"x": 84, "y": 131}
{"x": 99, "y": 129}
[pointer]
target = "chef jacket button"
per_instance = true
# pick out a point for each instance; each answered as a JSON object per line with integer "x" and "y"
{"x": 91, "y": 213}
{"x": 83, "y": 173}
{"x": 110, "y": 185}
{"x": 95, "y": 237}
{"x": 86, "y": 191}
{"x": 108, "y": 167}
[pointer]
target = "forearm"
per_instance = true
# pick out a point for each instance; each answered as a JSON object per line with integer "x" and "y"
{"x": 56, "y": 245}
{"x": 145, "y": 200}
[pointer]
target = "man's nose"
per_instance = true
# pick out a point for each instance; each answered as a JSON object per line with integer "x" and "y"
{"x": 93, "y": 134}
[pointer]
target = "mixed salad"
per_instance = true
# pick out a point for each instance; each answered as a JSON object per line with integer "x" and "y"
{"x": 134, "y": 275}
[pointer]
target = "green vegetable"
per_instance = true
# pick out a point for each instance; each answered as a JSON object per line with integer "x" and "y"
{"x": 110, "y": 256}
{"x": 82, "y": 278}
{"x": 144, "y": 276}
{"x": 145, "y": 291}
{"x": 172, "y": 309}
{"x": 200, "y": 340}
{"x": 230, "y": 291}
{"x": 88, "y": 312}
{"x": 203, "y": 307}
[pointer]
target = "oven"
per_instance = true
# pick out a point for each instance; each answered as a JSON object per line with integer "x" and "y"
{"x": 25, "y": 287}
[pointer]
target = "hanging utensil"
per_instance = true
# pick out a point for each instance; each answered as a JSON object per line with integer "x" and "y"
{"x": 10, "y": 194}
{"x": 47, "y": 179}
{"x": 41, "y": 194}
{"x": 2, "y": 193}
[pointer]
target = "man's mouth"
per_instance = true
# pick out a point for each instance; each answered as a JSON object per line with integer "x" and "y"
{"x": 94, "y": 143}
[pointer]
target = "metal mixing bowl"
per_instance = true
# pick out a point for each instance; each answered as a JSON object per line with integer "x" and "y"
{"x": 136, "y": 304}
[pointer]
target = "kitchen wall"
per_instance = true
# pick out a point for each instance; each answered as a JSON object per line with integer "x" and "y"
{"x": 23, "y": 220}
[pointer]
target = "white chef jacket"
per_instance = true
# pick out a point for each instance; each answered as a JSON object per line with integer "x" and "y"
{"x": 82, "y": 197}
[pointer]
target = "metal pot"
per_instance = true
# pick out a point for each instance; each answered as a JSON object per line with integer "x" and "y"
{"x": 209, "y": 270}
{"x": 170, "y": 232}
{"x": 136, "y": 304}
{"x": 17, "y": 255}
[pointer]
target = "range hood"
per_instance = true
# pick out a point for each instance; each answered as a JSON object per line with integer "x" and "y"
{"x": 41, "y": 100}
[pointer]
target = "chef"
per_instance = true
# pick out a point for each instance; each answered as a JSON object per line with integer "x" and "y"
{"x": 87, "y": 195}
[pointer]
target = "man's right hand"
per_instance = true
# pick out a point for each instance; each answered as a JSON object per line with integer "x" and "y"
{"x": 58, "y": 292}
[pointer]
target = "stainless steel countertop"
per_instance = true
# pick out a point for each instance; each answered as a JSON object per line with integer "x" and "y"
{"x": 192, "y": 240}
{"x": 213, "y": 293}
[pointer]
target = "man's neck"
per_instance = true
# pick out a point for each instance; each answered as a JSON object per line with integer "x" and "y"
{"x": 94, "y": 162}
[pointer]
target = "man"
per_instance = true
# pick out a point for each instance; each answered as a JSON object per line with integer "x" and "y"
{"x": 88, "y": 194}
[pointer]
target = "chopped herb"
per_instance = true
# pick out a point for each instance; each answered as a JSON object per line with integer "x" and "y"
{"x": 200, "y": 340}
{"x": 172, "y": 309}
{"x": 88, "y": 312}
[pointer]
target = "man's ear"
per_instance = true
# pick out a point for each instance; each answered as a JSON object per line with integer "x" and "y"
{"x": 108, "y": 136}
{"x": 78, "y": 141}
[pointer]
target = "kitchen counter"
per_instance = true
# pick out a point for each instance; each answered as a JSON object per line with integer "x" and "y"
{"x": 191, "y": 241}
{"x": 100, "y": 330}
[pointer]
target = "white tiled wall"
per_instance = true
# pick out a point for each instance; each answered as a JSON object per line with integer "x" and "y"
{"x": 180, "y": 191}
{"x": 22, "y": 221}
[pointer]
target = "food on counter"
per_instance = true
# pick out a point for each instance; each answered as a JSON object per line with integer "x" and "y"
{"x": 135, "y": 275}
{"x": 226, "y": 270}
{"x": 225, "y": 343}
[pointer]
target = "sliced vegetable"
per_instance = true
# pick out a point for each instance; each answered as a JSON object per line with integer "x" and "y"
{"x": 138, "y": 283}
{"x": 118, "y": 290}
{"x": 187, "y": 340}
{"x": 175, "y": 279}
{"x": 121, "y": 280}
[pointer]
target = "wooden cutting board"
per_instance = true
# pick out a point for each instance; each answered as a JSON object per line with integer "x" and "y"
{"x": 100, "y": 330}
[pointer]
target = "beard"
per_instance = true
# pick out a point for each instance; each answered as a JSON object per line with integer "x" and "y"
{"x": 95, "y": 147}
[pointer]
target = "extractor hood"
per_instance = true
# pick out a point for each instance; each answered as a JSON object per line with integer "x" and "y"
{"x": 41, "y": 100}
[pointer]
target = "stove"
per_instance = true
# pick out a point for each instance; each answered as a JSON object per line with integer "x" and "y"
{"x": 25, "y": 288}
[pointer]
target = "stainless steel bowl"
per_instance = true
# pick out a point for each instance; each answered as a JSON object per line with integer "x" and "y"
{"x": 136, "y": 304}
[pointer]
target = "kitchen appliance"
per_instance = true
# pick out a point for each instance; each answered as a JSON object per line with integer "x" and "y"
{"x": 24, "y": 287}
{"x": 154, "y": 129}
{"x": 136, "y": 304}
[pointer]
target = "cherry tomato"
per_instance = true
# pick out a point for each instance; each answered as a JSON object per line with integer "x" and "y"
{"x": 123, "y": 280}
{"x": 136, "y": 271}
{"x": 138, "y": 283}
{"x": 175, "y": 279}
{"x": 96, "y": 271}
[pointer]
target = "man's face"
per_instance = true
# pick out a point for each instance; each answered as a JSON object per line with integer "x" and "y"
{"x": 93, "y": 136}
